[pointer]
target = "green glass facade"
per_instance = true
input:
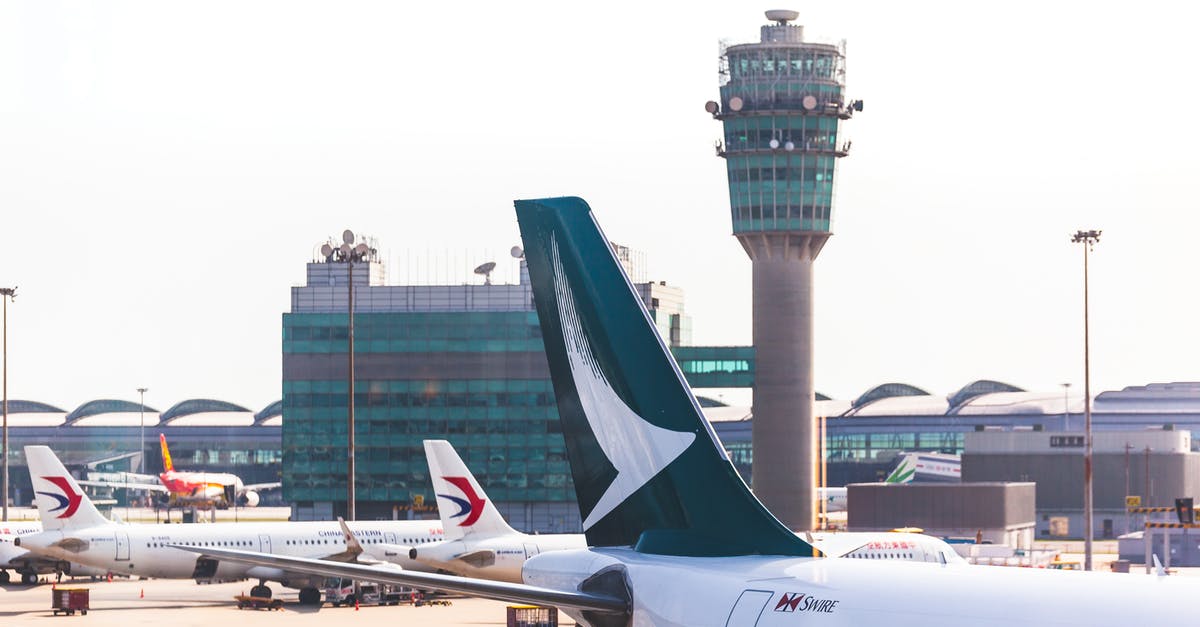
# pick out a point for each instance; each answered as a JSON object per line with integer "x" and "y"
{"x": 781, "y": 104}
{"x": 503, "y": 421}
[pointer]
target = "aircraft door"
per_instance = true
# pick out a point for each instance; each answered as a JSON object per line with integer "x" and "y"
{"x": 531, "y": 550}
{"x": 122, "y": 545}
{"x": 264, "y": 543}
{"x": 389, "y": 537}
{"x": 748, "y": 608}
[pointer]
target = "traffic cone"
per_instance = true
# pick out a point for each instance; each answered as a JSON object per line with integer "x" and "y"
{"x": 142, "y": 594}
{"x": 355, "y": 604}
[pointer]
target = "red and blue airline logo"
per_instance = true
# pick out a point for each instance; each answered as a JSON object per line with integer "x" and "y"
{"x": 471, "y": 507}
{"x": 68, "y": 501}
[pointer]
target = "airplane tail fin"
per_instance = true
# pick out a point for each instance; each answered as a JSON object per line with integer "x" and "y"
{"x": 166, "y": 453}
{"x": 61, "y": 503}
{"x": 463, "y": 506}
{"x": 904, "y": 471}
{"x": 649, "y": 470}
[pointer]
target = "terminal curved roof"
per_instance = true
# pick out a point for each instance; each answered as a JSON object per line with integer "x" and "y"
{"x": 195, "y": 406}
{"x": 908, "y": 405}
{"x": 274, "y": 410}
{"x": 108, "y": 406}
{"x": 979, "y": 388}
{"x": 888, "y": 390}
{"x": 32, "y": 407}
{"x": 1010, "y": 403}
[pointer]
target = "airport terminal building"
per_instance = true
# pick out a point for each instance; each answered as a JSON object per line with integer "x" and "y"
{"x": 463, "y": 363}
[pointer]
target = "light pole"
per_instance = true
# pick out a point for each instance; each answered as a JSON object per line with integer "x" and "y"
{"x": 348, "y": 253}
{"x": 1066, "y": 407}
{"x": 142, "y": 414}
{"x": 8, "y": 293}
{"x": 1088, "y": 239}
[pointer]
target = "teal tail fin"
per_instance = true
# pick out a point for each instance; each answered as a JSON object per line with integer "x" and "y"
{"x": 649, "y": 471}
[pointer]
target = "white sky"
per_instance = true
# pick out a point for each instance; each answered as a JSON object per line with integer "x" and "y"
{"x": 167, "y": 168}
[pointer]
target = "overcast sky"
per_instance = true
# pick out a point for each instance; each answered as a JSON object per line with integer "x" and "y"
{"x": 166, "y": 170}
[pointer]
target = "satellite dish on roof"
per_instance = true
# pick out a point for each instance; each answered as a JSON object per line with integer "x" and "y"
{"x": 736, "y": 103}
{"x": 326, "y": 250}
{"x": 809, "y": 102}
{"x": 486, "y": 270}
{"x": 774, "y": 143}
{"x": 516, "y": 252}
{"x": 362, "y": 249}
{"x": 782, "y": 16}
{"x": 712, "y": 107}
{"x": 348, "y": 236}
{"x": 345, "y": 248}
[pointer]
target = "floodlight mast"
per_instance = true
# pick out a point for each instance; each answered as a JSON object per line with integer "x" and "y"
{"x": 7, "y": 293}
{"x": 349, "y": 253}
{"x": 1089, "y": 240}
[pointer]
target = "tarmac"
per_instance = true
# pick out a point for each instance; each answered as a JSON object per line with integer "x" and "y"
{"x": 133, "y": 602}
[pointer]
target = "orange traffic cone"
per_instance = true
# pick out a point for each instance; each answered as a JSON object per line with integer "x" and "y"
{"x": 355, "y": 604}
{"x": 142, "y": 594}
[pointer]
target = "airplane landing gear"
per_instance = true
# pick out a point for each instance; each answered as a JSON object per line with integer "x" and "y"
{"x": 5, "y": 577}
{"x": 29, "y": 579}
{"x": 310, "y": 596}
{"x": 261, "y": 591}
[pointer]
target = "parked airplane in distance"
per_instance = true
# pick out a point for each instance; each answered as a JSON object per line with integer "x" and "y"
{"x": 924, "y": 467}
{"x": 30, "y": 565}
{"x": 677, "y": 538}
{"x": 183, "y": 487}
{"x": 74, "y": 530}
{"x": 478, "y": 541}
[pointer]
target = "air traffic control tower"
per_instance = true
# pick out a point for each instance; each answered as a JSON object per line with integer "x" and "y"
{"x": 782, "y": 102}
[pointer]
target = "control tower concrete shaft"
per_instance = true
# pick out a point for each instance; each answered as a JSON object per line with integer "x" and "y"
{"x": 781, "y": 107}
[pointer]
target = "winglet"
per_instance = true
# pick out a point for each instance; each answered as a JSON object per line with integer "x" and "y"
{"x": 649, "y": 470}
{"x": 61, "y": 503}
{"x": 463, "y": 506}
{"x": 1158, "y": 567}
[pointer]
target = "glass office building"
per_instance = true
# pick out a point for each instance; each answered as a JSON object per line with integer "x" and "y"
{"x": 463, "y": 363}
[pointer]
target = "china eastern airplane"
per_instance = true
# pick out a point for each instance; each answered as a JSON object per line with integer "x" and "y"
{"x": 675, "y": 536}
{"x": 30, "y": 565}
{"x": 75, "y": 531}
{"x": 220, "y": 489}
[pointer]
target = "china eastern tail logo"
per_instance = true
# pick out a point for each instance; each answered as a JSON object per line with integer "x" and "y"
{"x": 471, "y": 507}
{"x": 68, "y": 501}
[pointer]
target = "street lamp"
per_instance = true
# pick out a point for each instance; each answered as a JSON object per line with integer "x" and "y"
{"x": 142, "y": 414}
{"x": 348, "y": 253}
{"x": 8, "y": 293}
{"x": 1088, "y": 239}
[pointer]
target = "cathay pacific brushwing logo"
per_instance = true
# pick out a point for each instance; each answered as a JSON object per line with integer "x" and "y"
{"x": 471, "y": 507}
{"x": 68, "y": 501}
{"x": 637, "y": 449}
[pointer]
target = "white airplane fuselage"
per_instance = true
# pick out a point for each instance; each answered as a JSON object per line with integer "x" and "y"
{"x": 764, "y": 591}
{"x": 144, "y": 550}
{"x": 509, "y": 553}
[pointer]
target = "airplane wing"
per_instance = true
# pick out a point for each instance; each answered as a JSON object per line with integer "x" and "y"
{"x": 259, "y": 487}
{"x": 124, "y": 485}
{"x": 501, "y": 591}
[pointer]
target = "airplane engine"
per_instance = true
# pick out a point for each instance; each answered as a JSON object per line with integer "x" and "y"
{"x": 250, "y": 498}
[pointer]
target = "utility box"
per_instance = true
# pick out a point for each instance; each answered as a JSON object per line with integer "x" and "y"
{"x": 987, "y": 512}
